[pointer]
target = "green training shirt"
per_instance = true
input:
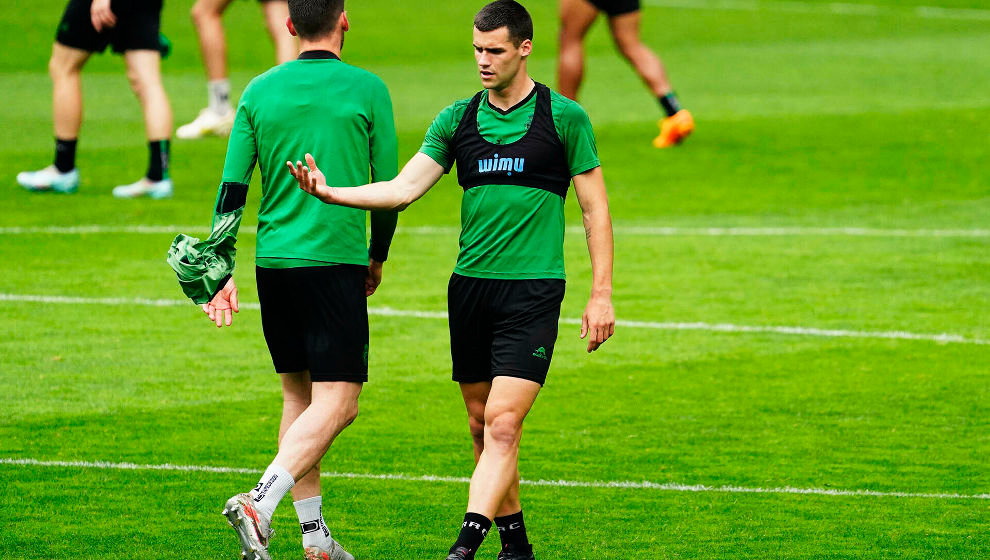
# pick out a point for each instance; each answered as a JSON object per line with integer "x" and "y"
{"x": 511, "y": 231}
{"x": 343, "y": 116}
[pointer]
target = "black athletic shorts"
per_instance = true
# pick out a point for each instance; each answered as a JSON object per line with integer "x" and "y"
{"x": 502, "y": 327}
{"x": 138, "y": 26}
{"x": 616, "y": 7}
{"x": 316, "y": 318}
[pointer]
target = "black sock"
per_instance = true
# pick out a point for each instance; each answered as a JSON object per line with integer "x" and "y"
{"x": 670, "y": 104}
{"x": 473, "y": 532}
{"x": 158, "y": 160}
{"x": 512, "y": 530}
{"x": 65, "y": 155}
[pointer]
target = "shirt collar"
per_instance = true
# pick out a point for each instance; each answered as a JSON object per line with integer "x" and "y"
{"x": 317, "y": 54}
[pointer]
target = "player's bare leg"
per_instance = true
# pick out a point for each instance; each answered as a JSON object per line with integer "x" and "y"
{"x": 145, "y": 77}
{"x": 494, "y": 485}
{"x": 218, "y": 117}
{"x": 296, "y": 398}
{"x": 576, "y": 17}
{"x": 508, "y": 404}
{"x": 679, "y": 123}
{"x": 475, "y": 400}
{"x": 303, "y": 443}
{"x": 306, "y": 496}
{"x": 276, "y": 12}
{"x": 65, "y": 68}
{"x": 207, "y": 16}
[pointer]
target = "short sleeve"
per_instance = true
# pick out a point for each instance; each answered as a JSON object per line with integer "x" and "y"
{"x": 578, "y": 138}
{"x": 438, "y": 143}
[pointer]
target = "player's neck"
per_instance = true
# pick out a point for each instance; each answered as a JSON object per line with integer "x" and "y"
{"x": 332, "y": 43}
{"x": 516, "y": 91}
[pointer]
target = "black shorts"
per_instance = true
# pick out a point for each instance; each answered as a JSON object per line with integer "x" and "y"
{"x": 138, "y": 26}
{"x": 316, "y": 318}
{"x": 502, "y": 327}
{"x": 616, "y": 7}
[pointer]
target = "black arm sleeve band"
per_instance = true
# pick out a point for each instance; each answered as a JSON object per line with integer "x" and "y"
{"x": 382, "y": 229}
{"x": 232, "y": 196}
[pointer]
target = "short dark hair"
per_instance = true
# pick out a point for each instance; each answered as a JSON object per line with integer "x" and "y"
{"x": 506, "y": 13}
{"x": 315, "y": 18}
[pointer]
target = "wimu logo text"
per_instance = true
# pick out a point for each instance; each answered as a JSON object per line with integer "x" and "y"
{"x": 496, "y": 164}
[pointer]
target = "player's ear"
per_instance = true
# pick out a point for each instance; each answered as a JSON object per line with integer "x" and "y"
{"x": 344, "y": 24}
{"x": 526, "y": 47}
{"x": 292, "y": 28}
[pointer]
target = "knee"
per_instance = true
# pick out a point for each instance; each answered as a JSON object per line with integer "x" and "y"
{"x": 137, "y": 84}
{"x": 349, "y": 414}
{"x": 59, "y": 67}
{"x": 504, "y": 429}
{"x": 202, "y": 13}
{"x": 477, "y": 427}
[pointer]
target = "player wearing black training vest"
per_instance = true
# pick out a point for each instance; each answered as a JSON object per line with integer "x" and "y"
{"x": 517, "y": 146}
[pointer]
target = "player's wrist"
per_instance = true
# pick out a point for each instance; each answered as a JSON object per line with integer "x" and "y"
{"x": 601, "y": 293}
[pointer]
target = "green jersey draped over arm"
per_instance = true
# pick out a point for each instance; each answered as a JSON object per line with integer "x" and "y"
{"x": 515, "y": 167}
{"x": 316, "y": 104}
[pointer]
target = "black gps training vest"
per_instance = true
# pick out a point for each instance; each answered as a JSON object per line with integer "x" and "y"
{"x": 536, "y": 160}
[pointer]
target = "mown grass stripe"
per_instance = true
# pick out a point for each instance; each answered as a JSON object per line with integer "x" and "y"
{"x": 941, "y": 338}
{"x": 836, "y": 8}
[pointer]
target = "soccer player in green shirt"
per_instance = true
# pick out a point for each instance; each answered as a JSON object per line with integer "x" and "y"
{"x": 313, "y": 268}
{"x": 517, "y": 146}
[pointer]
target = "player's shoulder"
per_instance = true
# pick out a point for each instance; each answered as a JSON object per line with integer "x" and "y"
{"x": 363, "y": 76}
{"x": 451, "y": 114}
{"x": 565, "y": 108}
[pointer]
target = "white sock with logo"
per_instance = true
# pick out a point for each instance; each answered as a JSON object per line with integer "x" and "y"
{"x": 314, "y": 529}
{"x": 218, "y": 92}
{"x": 273, "y": 486}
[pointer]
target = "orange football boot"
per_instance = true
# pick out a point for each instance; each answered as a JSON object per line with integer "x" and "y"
{"x": 674, "y": 129}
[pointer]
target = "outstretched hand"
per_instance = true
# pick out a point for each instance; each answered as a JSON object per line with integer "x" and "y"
{"x": 598, "y": 321}
{"x": 222, "y": 304}
{"x": 311, "y": 179}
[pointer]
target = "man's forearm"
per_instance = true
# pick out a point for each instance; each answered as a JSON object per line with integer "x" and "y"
{"x": 384, "y": 195}
{"x": 598, "y": 230}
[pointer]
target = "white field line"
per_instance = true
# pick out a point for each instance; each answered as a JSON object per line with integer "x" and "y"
{"x": 620, "y": 484}
{"x": 659, "y": 231}
{"x": 942, "y": 338}
{"x": 836, "y": 8}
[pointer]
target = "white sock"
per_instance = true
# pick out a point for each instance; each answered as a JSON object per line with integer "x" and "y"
{"x": 273, "y": 486}
{"x": 218, "y": 92}
{"x": 314, "y": 529}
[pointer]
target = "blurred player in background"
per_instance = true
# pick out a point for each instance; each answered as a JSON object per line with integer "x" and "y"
{"x": 131, "y": 29}
{"x": 576, "y": 17}
{"x": 218, "y": 116}
{"x": 517, "y": 146}
{"x": 314, "y": 267}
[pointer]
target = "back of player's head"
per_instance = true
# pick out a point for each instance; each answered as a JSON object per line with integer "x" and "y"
{"x": 314, "y": 19}
{"x": 506, "y": 13}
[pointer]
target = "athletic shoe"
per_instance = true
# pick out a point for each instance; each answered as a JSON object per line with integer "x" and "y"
{"x": 49, "y": 179}
{"x": 513, "y": 552}
{"x": 674, "y": 129}
{"x": 207, "y": 123}
{"x": 336, "y": 552}
{"x": 460, "y": 553}
{"x": 252, "y": 529}
{"x": 145, "y": 187}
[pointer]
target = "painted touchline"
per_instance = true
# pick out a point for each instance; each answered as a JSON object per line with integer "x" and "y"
{"x": 941, "y": 338}
{"x": 626, "y": 484}
{"x": 659, "y": 231}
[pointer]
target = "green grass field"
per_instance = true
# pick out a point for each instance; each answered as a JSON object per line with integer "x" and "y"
{"x": 812, "y": 117}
